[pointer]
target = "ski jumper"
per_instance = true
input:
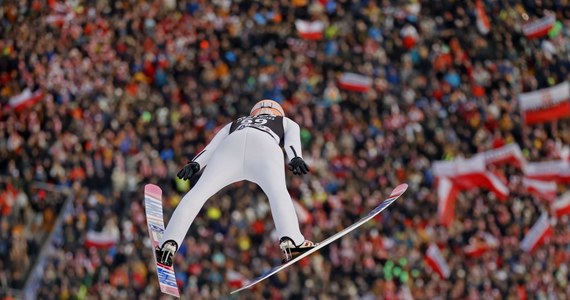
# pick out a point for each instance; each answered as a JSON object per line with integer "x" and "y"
{"x": 249, "y": 148}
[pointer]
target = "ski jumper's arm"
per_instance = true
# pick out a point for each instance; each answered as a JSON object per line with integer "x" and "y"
{"x": 203, "y": 157}
{"x": 292, "y": 139}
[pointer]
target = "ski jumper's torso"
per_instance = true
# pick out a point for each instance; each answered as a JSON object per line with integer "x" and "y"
{"x": 272, "y": 125}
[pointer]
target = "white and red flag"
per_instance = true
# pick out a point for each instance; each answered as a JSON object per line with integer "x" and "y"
{"x": 471, "y": 173}
{"x": 483, "y": 23}
{"x": 537, "y": 235}
{"x": 545, "y": 190}
{"x": 102, "y": 240}
{"x": 235, "y": 279}
{"x": 61, "y": 13}
{"x": 310, "y": 30}
{"x": 495, "y": 184}
{"x": 546, "y": 104}
{"x": 25, "y": 99}
{"x": 409, "y": 36}
{"x": 446, "y": 195}
{"x": 508, "y": 154}
{"x": 561, "y": 206}
{"x": 435, "y": 260}
{"x": 539, "y": 28}
{"x": 556, "y": 170}
{"x": 355, "y": 82}
{"x": 479, "y": 245}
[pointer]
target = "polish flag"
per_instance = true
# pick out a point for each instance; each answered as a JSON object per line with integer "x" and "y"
{"x": 483, "y": 23}
{"x": 456, "y": 169}
{"x": 557, "y": 170}
{"x": 355, "y": 82}
{"x": 409, "y": 36}
{"x": 471, "y": 173}
{"x": 496, "y": 185}
{"x": 235, "y": 279}
{"x": 101, "y": 240}
{"x": 562, "y": 205}
{"x": 302, "y": 213}
{"x": 509, "y": 154}
{"x": 479, "y": 245}
{"x": 546, "y": 104}
{"x": 310, "y": 30}
{"x": 545, "y": 190}
{"x": 25, "y": 99}
{"x": 539, "y": 28}
{"x": 447, "y": 195}
{"x": 435, "y": 260}
{"x": 539, "y": 232}
{"x": 61, "y": 13}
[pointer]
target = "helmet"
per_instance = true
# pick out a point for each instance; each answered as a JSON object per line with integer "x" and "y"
{"x": 267, "y": 107}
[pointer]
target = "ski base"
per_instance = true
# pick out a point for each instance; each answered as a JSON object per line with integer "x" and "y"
{"x": 155, "y": 223}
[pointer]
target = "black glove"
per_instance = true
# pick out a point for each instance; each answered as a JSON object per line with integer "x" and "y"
{"x": 189, "y": 169}
{"x": 298, "y": 166}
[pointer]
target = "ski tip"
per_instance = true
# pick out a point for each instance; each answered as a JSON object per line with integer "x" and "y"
{"x": 153, "y": 190}
{"x": 399, "y": 190}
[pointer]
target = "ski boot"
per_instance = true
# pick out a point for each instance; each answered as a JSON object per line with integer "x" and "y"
{"x": 165, "y": 254}
{"x": 290, "y": 250}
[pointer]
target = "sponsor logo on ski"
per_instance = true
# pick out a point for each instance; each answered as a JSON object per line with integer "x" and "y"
{"x": 383, "y": 205}
{"x": 166, "y": 276}
{"x": 155, "y": 228}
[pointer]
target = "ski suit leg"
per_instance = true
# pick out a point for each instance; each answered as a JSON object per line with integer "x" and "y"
{"x": 224, "y": 167}
{"x": 264, "y": 166}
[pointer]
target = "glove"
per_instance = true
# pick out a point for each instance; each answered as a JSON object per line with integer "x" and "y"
{"x": 298, "y": 166}
{"x": 189, "y": 169}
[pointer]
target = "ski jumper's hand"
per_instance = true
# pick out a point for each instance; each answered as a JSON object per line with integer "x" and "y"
{"x": 298, "y": 166}
{"x": 189, "y": 169}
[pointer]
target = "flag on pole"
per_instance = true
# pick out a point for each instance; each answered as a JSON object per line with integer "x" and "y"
{"x": 539, "y": 28}
{"x": 310, "y": 30}
{"x": 436, "y": 261}
{"x": 355, "y": 82}
{"x": 471, "y": 173}
{"x": 509, "y": 154}
{"x": 545, "y": 190}
{"x": 101, "y": 240}
{"x": 61, "y": 13}
{"x": 25, "y": 99}
{"x": 447, "y": 195}
{"x": 536, "y": 236}
{"x": 546, "y": 104}
{"x": 483, "y": 23}
{"x": 496, "y": 185}
{"x": 562, "y": 205}
{"x": 409, "y": 36}
{"x": 557, "y": 170}
{"x": 235, "y": 279}
{"x": 479, "y": 245}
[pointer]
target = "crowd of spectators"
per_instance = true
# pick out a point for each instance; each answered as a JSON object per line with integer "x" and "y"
{"x": 131, "y": 90}
{"x": 28, "y": 217}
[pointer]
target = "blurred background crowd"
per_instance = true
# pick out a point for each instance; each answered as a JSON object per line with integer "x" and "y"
{"x": 125, "y": 92}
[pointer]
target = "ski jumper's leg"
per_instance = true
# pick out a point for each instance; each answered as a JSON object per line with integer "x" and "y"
{"x": 224, "y": 167}
{"x": 264, "y": 162}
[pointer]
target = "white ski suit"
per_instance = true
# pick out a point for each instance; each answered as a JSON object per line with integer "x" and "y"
{"x": 249, "y": 148}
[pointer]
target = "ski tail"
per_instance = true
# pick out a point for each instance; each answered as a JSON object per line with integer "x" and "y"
{"x": 155, "y": 223}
